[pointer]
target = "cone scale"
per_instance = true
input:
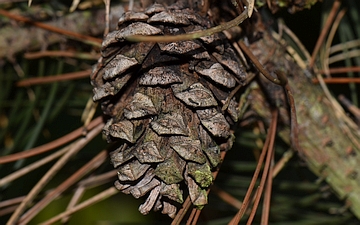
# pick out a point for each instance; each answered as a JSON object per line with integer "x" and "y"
{"x": 163, "y": 104}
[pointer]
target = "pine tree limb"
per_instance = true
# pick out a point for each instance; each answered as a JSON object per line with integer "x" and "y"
{"x": 23, "y": 37}
{"x": 329, "y": 145}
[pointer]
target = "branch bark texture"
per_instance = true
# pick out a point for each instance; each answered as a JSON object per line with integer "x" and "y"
{"x": 329, "y": 146}
{"x": 19, "y": 37}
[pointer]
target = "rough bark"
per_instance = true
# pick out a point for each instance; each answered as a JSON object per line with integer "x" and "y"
{"x": 330, "y": 147}
{"x": 19, "y": 37}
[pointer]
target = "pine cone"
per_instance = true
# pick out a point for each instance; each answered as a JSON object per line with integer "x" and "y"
{"x": 164, "y": 104}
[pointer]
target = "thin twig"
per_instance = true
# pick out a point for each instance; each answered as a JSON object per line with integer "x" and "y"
{"x": 77, "y": 36}
{"x": 196, "y": 212}
{"x": 69, "y": 54}
{"x": 355, "y": 111}
{"x": 294, "y": 38}
{"x": 91, "y": 165}
{"x": 267, "y": 195}
{"x": 191, "y": 217}
{"x": 74, "y": 200}
{"x": 12, "y": 201}
{"x": 90, "y": 182}
{"x": 344, "y": 55}
{"x": 205, "y": 8}
{"x": 214, "y": 174}
{"x": 324, "y": 31}
{"x": 334, "y": 27}
{"x": 250, "y": 6}
{"x": 97, "y": 198}
{"x": 51, "y": 145}
{"x": 98, "y": 179}
{"x": 338, "y": 80}
{"x": 341, "y": 70}
{"x": 33, "y": 166}
{"x": 298, "y": 59}
{"x": 237, "y": 48}
{"x": 89, "y": 111}
{"x": 226, "y": 197}
{"x": 230, "y": 96}
{"x": 8, "y": 210}
{"x": 107, "y": 17}
{"x": 246, "y": 201}
{"x": 344, "y": 45}
{"x": 180, "y": 215}
{"x": 269, "y": 156}
{"x": 258, "y": 64}
{"x": 45, "y": 179}
{"x": 282, "y": 162}
{"x": 294, "y": 128}
{"x": 196, "y": 217}
{"x": 193, "y": 35}
{"x": 53, "y": 78}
